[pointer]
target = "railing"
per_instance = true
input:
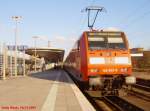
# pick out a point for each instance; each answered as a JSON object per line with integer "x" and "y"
{"x": 7, "y": 62}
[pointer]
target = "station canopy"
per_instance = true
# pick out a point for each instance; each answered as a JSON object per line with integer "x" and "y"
{"x": 49, "y": 54}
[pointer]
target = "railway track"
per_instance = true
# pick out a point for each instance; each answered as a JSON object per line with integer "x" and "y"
{"x": 107, "y": 103}
{"x": 143, "y": 82}
{"x": 139, "y": 91}
{"x": 111, "y": 103}
{"x": 120, "y": 104}
{"x": 145, "y": 88}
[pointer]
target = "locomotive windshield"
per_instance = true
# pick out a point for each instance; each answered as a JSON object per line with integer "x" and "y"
{"x": 105, "y": 40}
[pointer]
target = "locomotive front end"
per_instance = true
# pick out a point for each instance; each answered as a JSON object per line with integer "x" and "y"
{"x": 109, "y": 61}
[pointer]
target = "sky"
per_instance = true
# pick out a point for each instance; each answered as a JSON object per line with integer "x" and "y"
{"x": 61, "y": 21}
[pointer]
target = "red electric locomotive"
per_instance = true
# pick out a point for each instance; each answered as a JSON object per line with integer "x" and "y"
{"x": 101, "y": 59}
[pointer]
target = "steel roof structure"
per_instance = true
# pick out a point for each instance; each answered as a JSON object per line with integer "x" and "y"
{"x": 49, "y": 54}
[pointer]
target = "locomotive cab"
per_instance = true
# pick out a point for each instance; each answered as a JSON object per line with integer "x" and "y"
{"x": 109, "y": 61}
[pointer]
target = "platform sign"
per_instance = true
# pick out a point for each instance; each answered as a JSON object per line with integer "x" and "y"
{"x": 19, "y": 48}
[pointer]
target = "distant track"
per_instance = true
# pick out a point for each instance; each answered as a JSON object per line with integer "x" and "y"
{"x": 112, "y": 103}
{"x": 143, "y": 82}
{"x": 121, "y": 104}
{"x": 139, "y": 91}
{"x": 145, "y": 88}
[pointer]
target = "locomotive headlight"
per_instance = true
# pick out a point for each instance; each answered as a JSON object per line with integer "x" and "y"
{"x": 104, "y": 70}
{"x": 94, "y": 70}
{"x": 123, "y": 69}
{"x": 116, "y": 70}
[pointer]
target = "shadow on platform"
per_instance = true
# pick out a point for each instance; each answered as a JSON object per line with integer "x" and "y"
{"x": 51, "y": 75}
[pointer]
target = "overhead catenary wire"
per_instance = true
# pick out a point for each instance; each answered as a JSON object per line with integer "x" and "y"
{"x": 131, "y": 22}
{"x": 82, "y": 21}
{"x": 132, "y": 14}
{"x": 141, "y": 17}
{"x": 137, "y": 19}
{"x": 138, "y": 14}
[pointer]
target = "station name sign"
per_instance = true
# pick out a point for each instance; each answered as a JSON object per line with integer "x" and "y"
{"x": 19, "y": 48}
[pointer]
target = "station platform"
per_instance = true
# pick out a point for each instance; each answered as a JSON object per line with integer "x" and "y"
{"x": 51, "y": 90}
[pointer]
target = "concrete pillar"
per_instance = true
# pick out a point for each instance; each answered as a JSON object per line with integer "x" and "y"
{"x": 24, "y": 65}
{"x": 11, "y": 63}
{"x": 4, "y": 62}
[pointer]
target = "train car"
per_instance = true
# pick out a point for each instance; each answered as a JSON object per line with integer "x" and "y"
{"x": 102, "y": 60}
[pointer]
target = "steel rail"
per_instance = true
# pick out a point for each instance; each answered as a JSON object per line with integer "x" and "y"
{"x": 121, "y": 104}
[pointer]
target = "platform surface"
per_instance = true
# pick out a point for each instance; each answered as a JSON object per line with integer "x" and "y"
{"x": 47, "y": 91}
